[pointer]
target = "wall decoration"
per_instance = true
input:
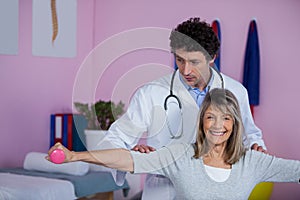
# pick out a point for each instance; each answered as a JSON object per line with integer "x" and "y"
{"x": 9, "y": 23}
{"x": 54, "y": 28}
{"x": 54, "y": 20}
{"x": 251, "y": 72}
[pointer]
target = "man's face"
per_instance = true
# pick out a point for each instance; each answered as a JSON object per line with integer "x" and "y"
{"x": 193, "y": 67}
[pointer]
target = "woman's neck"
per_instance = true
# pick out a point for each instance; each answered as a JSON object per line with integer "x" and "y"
{"x": 216, "y": 157}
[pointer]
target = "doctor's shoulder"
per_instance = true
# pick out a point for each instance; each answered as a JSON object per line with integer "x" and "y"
{"x": 162, "y": 83}
{"x": 234, "y": 86}
{"x": 152, "y": 92}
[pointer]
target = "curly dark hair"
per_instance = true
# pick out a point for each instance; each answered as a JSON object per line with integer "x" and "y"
{"x": 195, "y": 35}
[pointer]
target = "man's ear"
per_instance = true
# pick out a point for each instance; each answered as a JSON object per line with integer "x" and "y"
{"x": 211, "y": 62}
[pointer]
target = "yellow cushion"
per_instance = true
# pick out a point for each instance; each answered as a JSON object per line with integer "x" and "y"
{"x": 262, "y": 191}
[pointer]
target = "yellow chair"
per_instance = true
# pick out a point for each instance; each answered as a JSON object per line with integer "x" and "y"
{"x": 262, "y": 191}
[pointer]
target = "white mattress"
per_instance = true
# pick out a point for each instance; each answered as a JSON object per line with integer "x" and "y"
{"x": 15, "y": 187}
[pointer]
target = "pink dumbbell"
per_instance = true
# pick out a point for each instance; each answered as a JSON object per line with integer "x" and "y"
{"x": 57, "y": 156}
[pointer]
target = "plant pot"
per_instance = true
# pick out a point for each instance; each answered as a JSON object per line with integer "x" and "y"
{"x": 93, "y": 138}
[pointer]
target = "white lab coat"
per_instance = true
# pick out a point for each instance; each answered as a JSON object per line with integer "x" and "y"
{"x": 146, "y": 114}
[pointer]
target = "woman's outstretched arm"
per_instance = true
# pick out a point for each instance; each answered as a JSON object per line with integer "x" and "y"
{"x": 113, "y": 158}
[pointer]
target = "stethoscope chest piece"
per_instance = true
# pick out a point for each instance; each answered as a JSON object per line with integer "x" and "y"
{"x": 167, "y": 99}
{"x": 172, "y": 96}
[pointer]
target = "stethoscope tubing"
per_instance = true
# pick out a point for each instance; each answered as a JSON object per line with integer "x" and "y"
{"x": 171, "y": 95}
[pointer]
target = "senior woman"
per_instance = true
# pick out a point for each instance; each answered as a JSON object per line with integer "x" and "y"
{"x": 217, "y": 166}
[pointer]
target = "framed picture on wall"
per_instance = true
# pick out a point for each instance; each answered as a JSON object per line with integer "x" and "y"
{"x": 9, "y": 23}
{"x": 54, "y": 28}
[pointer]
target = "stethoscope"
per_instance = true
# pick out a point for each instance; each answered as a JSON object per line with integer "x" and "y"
{"x": 171, "y": 95}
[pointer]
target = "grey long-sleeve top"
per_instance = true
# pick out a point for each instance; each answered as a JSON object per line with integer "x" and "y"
{"x": 192, "y": 182}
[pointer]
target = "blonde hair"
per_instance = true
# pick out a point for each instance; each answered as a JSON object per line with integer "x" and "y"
{"x": 225, "y": 101}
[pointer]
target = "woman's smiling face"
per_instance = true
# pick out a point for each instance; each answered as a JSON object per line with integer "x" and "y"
{"x": 217, "y": 126}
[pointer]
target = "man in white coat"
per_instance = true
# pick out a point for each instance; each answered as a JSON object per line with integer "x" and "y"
{"x": 174, "y": 119}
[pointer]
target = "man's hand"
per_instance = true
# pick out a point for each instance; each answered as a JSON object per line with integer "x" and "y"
{"x": 143, "y": 148}
{"x": 258, "y": 148}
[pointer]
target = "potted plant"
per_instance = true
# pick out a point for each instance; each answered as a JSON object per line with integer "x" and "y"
{"x": 100, "y": 115}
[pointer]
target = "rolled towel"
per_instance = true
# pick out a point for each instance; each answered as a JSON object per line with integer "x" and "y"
{"x": 36, "y": 161}
{"x": 98, "y": 168}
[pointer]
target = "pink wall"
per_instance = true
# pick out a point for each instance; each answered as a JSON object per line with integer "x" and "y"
{"x": 33, "y": 87}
